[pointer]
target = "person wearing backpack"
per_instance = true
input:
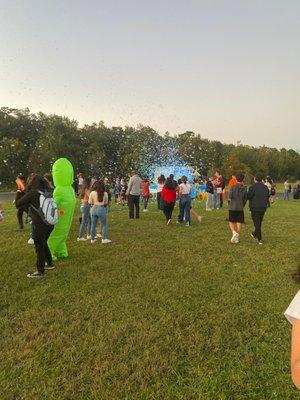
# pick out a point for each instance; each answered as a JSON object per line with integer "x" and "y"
{"x": 44, "y": 216}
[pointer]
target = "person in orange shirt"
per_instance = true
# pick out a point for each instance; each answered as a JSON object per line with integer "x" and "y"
{"x": 232, "y": 182}
{"x": 21, "y": 189}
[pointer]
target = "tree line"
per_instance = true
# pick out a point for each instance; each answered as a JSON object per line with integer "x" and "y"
{"x": 32, "y": 142}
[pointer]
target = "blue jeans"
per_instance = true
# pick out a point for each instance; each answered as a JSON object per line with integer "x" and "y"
{"x": 286, "y": 194}
{"x": 86, "y": 220}
{"x": 217, "y": 199}
{"x": 99, "y": 213}
{"x": 185, "y": 208}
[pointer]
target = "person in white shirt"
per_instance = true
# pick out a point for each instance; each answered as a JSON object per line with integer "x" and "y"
{"x": 133, "y": 194}
{"x": 160, "y": 184}
{"x": 293, "y": 316}
{"x": 184, "y": 191}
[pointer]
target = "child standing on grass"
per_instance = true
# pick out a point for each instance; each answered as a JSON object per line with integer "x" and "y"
{"x": 238, "y": 198}
{"x": 146, "y": 193}
{"x": 293, "y": 316}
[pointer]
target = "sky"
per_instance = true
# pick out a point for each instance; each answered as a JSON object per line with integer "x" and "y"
{"x": 228, "y": 70}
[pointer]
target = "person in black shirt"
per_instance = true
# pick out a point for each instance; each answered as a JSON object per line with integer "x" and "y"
{"x": 42, "y": 230}
{"x": 258, "y": 196}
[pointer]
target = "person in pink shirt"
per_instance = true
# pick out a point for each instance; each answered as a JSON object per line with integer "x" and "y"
{"x": 146, "y": 193}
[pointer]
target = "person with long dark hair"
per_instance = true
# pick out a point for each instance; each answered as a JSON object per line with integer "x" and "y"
{"x": 99, "y": 201}
{"x": 42, "y": 230}
{"x": 168, "y": 199}
{"x": 293, "y": 316}
{"x": 84, "y": 195}
{"x": 21, "y": 191}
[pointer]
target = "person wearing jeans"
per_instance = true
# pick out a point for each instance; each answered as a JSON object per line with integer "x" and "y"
{"x": 133, "y": 193}
{"x": 98, "y": 199}
{"x": 99, "y": 213}
{"x": 287, "y": 190}
{"x": 146, "y": 193}
{"x": 184, "y": 201}
{"x": 258, "y": 196}
{"x": 85, "y": 225}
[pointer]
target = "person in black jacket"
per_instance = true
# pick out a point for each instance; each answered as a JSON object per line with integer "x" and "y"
{"x": 42, "y": 230}
{"x": 258, "y": 196}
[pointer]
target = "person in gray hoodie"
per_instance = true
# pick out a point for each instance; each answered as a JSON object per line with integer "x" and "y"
{"x": 237, "y": 199}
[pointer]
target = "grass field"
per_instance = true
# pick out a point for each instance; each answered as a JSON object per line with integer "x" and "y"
{"x": 161, "y": 313}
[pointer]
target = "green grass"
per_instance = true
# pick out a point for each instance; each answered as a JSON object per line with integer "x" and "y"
{"x": 161, "y": 313}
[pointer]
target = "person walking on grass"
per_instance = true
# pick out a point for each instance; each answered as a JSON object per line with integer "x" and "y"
{"x": 193, "y": 194}
{"x": 134, "y": 193}
{"x": 42, "y": 230}
{"x": 218, "y": 184}
{"x": 237, "y": 199}
{"x": 168, "y": 199}
{"x": 98, "y": 199}
{"x": 146, "y": 193}
{"x": 258, "y": 196}
{"x": 287, "y": 190}
{"x": 84, "y": 195}
{"x": 160, "y": 184}
{"x": 184, "y": 192}
{"x": 293, "y": 316}
{"x": 209, "y": 194}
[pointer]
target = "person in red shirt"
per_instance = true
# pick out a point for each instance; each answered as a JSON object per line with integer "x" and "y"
{"x": 146, "y": 193}
{"x": 168, "y": 196}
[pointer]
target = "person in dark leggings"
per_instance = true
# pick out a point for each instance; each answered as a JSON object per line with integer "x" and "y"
{"x": 168, "y": 196}
{"x": 258, "y": 196}
{"x": 21, "y": 190}
{"x": 42, "y": 230}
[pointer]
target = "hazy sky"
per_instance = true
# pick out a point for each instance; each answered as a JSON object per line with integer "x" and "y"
{"x": 229, "y": 70}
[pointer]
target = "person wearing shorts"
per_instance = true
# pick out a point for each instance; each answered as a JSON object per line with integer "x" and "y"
{"x": 237, "y": 200}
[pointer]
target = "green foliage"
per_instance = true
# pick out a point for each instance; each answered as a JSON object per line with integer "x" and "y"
{"x": 30, "y": 143}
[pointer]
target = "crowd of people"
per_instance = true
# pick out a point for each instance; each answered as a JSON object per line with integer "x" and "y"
{"x": 95, "y": 197}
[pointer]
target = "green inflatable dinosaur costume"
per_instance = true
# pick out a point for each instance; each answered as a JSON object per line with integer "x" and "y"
{"x": 63, "y": 176}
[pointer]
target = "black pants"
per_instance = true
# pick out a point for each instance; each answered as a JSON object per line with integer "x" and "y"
{"x": 43, "y": 254}
{"x": 20, "y": 217}
{"x": 134, "y": 204}
{"x": 146, "y": 200}
{"x": 158, "y": 198}
{"x": 168, "y": 210}
{"x": 257, "y": 217}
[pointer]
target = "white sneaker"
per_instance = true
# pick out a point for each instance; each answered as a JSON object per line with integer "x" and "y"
{"x": 99, "y": 235}
{"x": 169, "y": 221}
{"x": 105, "y": 241}
{"x": 187, "y": 224}
{"x": 235, "y": 238}
{"x": 89, "y": 237}
{"x": 93, "y": 241}
{"x": 82, "y": 239}
{"x": 30, "y": 241}
{"x": 145, "y": 210}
